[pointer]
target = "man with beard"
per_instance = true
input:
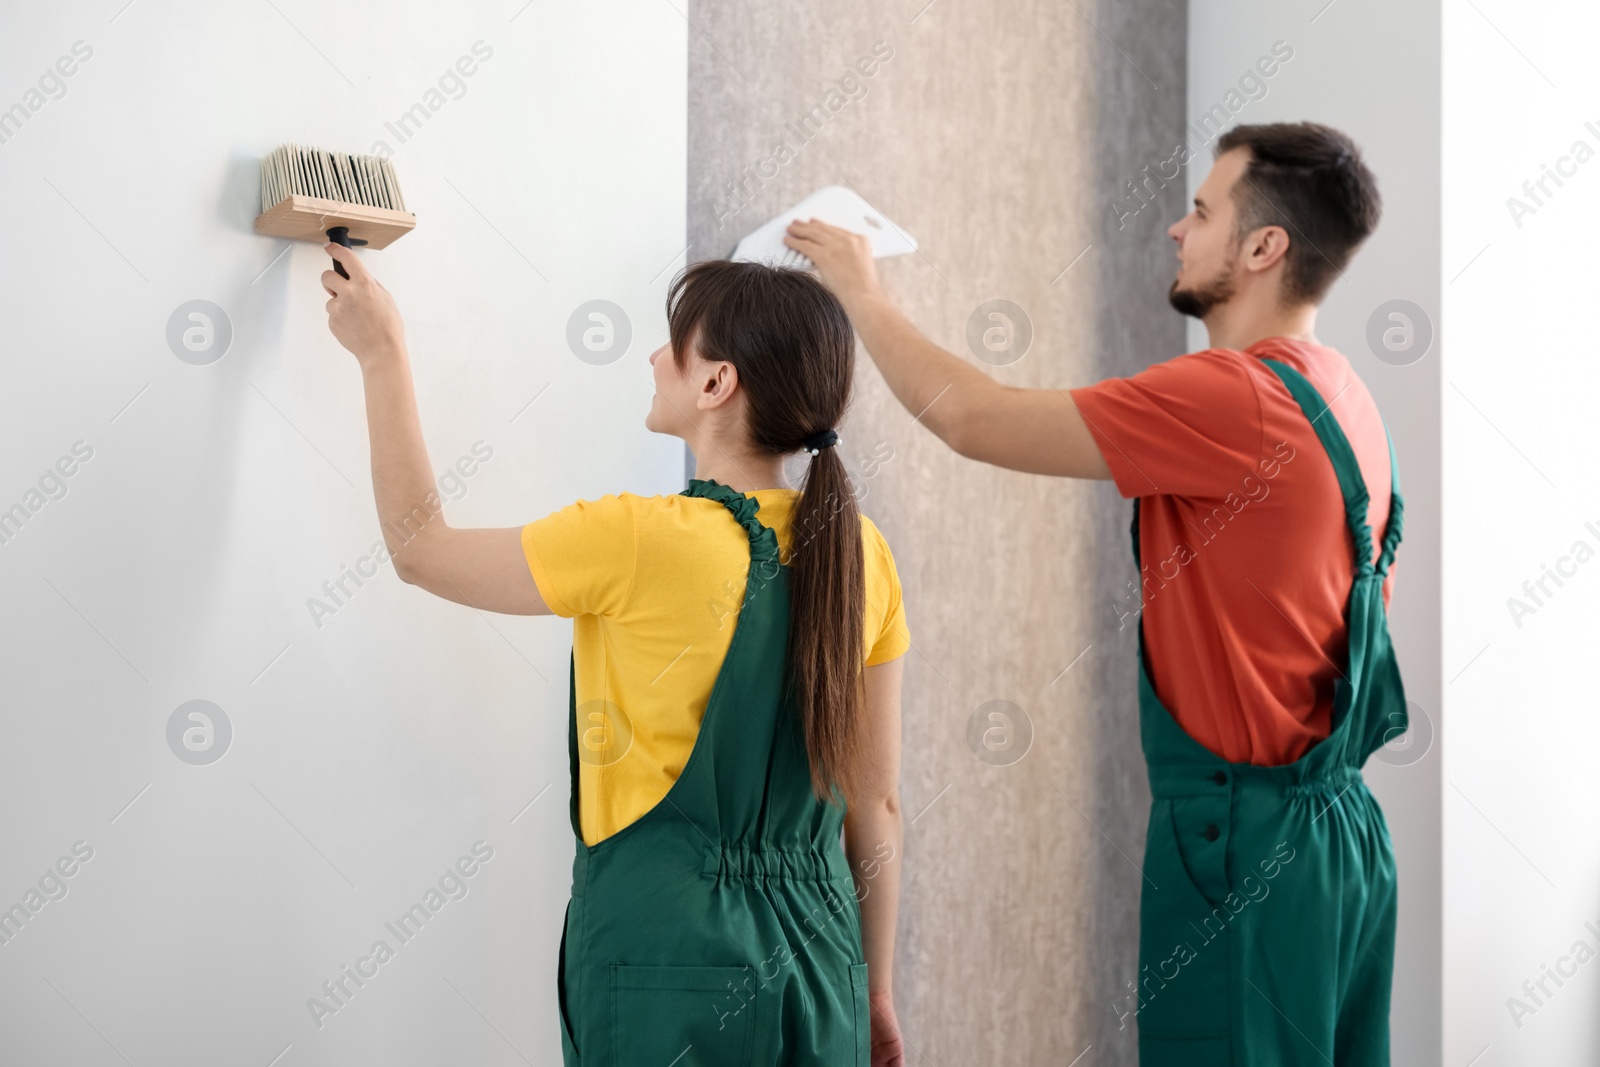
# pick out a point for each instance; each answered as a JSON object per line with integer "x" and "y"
{"x": 1260, "y": 469}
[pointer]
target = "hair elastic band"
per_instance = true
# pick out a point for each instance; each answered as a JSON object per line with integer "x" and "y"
{"x": 818, "y": 441}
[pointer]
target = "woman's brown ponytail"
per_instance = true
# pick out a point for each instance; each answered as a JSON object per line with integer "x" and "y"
{"x": 792, "y": 344}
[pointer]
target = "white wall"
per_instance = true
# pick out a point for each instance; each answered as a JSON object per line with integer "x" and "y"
{"x": 371, "y": 751}
{"x": 1521, "y": 797}
{"x": 1371, "y": 68}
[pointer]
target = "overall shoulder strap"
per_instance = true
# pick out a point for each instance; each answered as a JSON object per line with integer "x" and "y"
{"x": 1351, "y": 484}
{"x": 1395, "y": 526}
{"x": 1133, "y": 532}
{"x": 763, "y": 541}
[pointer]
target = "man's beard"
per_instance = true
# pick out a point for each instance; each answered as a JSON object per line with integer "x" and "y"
{"x": 1199, "y": 302}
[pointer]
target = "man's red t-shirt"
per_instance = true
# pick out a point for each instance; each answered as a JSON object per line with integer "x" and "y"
{"x": 1246, "y": 557}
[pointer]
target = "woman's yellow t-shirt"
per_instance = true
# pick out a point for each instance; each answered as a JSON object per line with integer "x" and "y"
{"x": 653, "y": 585}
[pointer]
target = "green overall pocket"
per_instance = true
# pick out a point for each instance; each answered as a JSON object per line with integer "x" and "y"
{"x": 863, "y": 1006}
{"x": 569, "y": 1046}
{"x": 1184, "y": 942}
{"x": 685, "y": 1016}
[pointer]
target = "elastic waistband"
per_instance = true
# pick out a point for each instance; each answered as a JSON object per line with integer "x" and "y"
{"x": 1173, "y": 780}
{"x": 733, "y": 863}
{"x": 736, "y": 863}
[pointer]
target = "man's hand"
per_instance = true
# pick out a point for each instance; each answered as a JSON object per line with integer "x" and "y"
{"x": 843, "y": 259}
{"x": 361, "y": 313}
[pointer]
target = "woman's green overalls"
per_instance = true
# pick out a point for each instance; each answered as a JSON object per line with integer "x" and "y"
{"x": 722, "y": 927}
{"x": 1267, "y": 913}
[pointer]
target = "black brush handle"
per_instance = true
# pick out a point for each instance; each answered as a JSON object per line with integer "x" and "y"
{"x": 340, "y": 235}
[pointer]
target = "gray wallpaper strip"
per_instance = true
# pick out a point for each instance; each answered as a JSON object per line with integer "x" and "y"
{"x": 1001, "y": 135}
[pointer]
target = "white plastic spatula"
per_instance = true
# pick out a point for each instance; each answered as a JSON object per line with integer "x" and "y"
{"x": 836, "y": 205}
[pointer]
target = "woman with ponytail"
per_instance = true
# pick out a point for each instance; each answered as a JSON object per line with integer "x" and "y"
{"x": 734, "y": 695}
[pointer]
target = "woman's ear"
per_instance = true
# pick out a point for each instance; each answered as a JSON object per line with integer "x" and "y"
{"x": 717, "y": 385}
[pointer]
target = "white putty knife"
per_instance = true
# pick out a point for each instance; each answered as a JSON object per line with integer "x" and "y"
{"x": 837, "y": 206}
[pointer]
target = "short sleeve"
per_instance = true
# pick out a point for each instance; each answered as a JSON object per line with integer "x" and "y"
{"x": 1187, "y": 427}
{"x": 584, "y": 557}
{"x": 883, "y": 588}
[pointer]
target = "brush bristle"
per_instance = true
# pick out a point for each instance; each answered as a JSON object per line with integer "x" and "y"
{"x": 294, "y": 169}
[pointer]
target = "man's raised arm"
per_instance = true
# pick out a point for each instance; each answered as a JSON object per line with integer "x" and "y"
{"x": 1039, "y": 431}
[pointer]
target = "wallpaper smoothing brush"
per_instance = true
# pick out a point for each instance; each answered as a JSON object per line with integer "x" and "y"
{"x": 309, "y": 194}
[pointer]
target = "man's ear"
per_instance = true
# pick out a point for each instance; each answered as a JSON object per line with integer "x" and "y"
{"x": 718, "y": 385}
{"x": 1268, "y": 245}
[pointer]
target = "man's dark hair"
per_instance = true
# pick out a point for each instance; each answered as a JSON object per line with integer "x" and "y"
{"x": 1309, "y": 179}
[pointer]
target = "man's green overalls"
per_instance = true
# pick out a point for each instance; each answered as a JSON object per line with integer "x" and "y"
{"x": 1267, "y": 914}
{"x": 721, "y": 927}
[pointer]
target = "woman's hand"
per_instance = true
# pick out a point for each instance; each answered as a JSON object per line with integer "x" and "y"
{"x": 361, "y": 313}
{"x": 843, "y": 259}
{"x": 888, "y": 1047}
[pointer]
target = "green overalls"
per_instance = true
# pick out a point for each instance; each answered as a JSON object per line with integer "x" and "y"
{"x": 1267, "y": 913}
{"x": 721, "y": 927}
